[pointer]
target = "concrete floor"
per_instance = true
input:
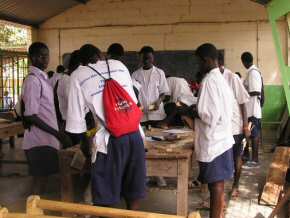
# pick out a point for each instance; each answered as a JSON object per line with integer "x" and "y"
{"x": 15, "y": 185}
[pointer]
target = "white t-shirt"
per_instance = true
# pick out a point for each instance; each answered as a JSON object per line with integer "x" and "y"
{"x": 62, "y": 94}
{"x": 214, "y": 125}
{"x": 53, "y": 80}
{"x": 241, "y": 97}
{"x": 153, "y": 84}
{"x": 253, "y": 83}
{"x": 86, "y": 90}
{"x": 180, "y": 91}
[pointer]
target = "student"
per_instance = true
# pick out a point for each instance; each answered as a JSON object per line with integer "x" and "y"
{"x": 64, "y": 83}
{"x": 180, "y": 105}
{"x": 115, "y": 51}
{"x": 41, "y": 139}
{"x": 118, "y": 168}
{"x": 240, "y": 120}
{"x": 214, "y": 140}
{"x": 239, "y": 75}
{"x": 254, "y": 85}
{"x": 50, "y": 74}
{"x": 153, "y": 90}
{"x": 56, "y": 76}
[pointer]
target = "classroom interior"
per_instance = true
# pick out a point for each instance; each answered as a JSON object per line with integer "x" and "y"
{"x": 174, "y": 28}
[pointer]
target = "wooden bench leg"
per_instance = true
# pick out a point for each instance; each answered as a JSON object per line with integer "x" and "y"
{"x": 182, "y": 187}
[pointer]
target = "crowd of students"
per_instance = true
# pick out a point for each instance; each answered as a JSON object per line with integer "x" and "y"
{"x": 59, "y": 109}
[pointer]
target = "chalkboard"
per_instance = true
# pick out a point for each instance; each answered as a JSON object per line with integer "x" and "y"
{"x": 180, "y": 63}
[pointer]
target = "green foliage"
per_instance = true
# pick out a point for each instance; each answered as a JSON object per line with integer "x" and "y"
{"x": 12, "y": 37}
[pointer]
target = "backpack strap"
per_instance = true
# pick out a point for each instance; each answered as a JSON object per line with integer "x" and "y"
{"x": 101, "y": 121}
{"x": 97, "y": 72}
{"x": 108, "y": 66}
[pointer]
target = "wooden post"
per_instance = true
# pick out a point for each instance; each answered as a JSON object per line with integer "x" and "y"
{"x": 3, "y": 212}
{"x": 194, "y": 215}
{"x": 67, "y": 190}
{"x": 32, "y": 205}
{"x": 182, "y": 187}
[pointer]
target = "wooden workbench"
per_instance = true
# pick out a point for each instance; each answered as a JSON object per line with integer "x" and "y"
{"x": 8, "y": 128}
{"x": 168, "y": 159}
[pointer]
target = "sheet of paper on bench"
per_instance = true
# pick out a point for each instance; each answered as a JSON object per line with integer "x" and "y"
{"x": 177, "y": 131}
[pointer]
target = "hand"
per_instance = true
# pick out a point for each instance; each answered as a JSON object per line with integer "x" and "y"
{"x": 64, "y": 139}
{"x": 157, "y": 105}
{"x": 247, "y": 131}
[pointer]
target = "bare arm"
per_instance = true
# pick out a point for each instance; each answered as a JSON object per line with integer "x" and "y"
{"x": 245, "y": 120}
{"x": 36, "y": 121}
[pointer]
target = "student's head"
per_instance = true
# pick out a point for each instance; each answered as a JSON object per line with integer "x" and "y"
{"x": 89, "y": 54}
{"x": 208, "y": 58}
{"x": 74, "y": 61}
{"x": 39, "y": 55}
{"x": 147, "y": 56}
{"x": 50, "y": 74}
{"x": 115, "y": 51}
{"x": 60, "y": 69}
{"x": 247, "y": 59}
{"x": 239, "y": 75}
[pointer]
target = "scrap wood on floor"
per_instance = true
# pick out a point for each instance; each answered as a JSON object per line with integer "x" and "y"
{"x": 276, "y": 176}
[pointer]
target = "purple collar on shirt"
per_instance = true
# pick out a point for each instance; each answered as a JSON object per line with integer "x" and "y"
{"x": 37, "y": 71}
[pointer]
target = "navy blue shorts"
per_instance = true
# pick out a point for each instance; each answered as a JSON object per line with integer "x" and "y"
{"x": 238, "y": 146}
{"x": 42, "y": 161}
{"x": 256, "y": 129}
{"x": 220, "y": 169}
{"x": 121, "y": 172}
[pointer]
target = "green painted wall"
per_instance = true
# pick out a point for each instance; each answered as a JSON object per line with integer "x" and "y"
{"x": 275, "y": 103}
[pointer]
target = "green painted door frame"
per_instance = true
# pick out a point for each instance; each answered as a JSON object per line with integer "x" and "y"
{"x": 276, "y": 9}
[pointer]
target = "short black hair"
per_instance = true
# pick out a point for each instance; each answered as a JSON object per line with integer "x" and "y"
{"x": 207, "y": 50}
{"x": 247, "y": 57}
{"x": 146, "y": 49}
{"x": 221, "y": 58}
{"x": 60, "y": 69}
{"x": 34, "y": 48}
{"x": 87, "y": 52}
{"x": 50, "y": 74}
{"x": 239, "y": 75}
{"x": 116, "y": 49}
{"x": 74, "y": 61}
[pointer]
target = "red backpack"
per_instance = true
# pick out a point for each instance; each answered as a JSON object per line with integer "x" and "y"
{"x": 122, "y": 115}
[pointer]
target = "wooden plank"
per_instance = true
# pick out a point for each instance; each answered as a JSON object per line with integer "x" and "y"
{"x": 167, "y": 168}
{"x": 276, "y": 176}
{"x": 97, "y": 211}
{"x": 182, "y": 187}
{"x": 23, "y": 215}
{"x": 176, "y": 154}
{"x": 11, "y": 129}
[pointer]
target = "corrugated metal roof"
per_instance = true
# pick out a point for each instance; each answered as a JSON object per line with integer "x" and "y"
{"x": 33, "y": 12}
